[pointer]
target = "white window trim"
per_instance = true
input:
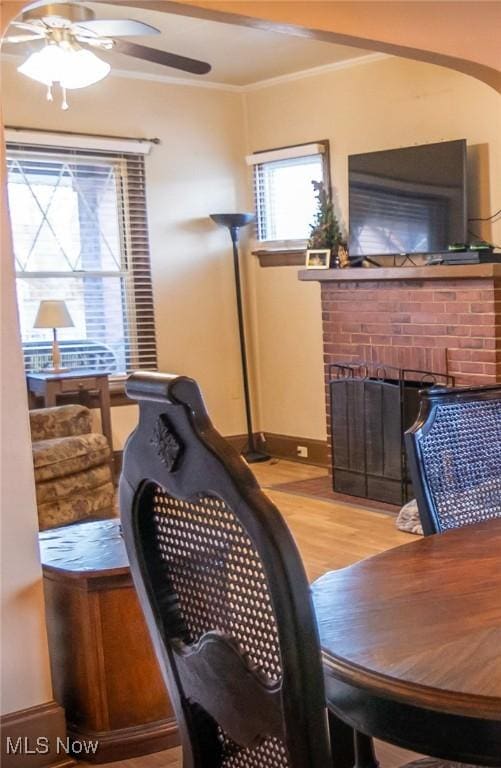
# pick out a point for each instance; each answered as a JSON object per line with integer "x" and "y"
{"x": 286, "y": 153}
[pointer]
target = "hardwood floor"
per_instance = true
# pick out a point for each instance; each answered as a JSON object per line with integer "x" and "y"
{"x": 329, "y": 535}
{"x": 388, "y": 756}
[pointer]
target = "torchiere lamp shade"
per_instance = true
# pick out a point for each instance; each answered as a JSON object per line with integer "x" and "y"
{"x": 53, "y": 314}
{"x": 232, "y": 219}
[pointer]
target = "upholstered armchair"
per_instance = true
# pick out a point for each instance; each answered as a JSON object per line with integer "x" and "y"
{"x": 72, "y": 467}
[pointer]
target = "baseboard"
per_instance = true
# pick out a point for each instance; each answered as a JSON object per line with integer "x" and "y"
{"x": 278, "y": 446}
{"x": 285, "y": 447}
{"x": 35, "y": 738}
{"x": 126, "y": 743}
{"x": 240, "y": 441}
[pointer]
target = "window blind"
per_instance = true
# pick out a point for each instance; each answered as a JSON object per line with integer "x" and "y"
{"x": 80, "y": 234}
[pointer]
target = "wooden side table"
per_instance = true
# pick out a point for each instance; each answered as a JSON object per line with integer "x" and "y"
{"x": 75, "y": 382}
{"x": 104, "y": 670}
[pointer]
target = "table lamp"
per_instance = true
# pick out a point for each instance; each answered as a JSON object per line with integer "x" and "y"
{"x": 54, "y": 314}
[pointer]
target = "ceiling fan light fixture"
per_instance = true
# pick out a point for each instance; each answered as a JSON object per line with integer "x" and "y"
{"x": 69, "y": 65}
{"x": 71, "y": 31}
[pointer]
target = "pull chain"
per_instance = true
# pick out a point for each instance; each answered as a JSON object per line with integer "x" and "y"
{"x": 64, "y": 104}
{"x": 50, "y": 97}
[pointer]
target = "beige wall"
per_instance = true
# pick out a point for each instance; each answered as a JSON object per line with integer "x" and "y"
{"x": 25, "y": 676}
{"x": 197, "y": 169}
{"x": 385, "y": 104}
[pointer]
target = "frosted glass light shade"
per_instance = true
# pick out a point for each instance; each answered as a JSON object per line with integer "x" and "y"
{"x": 70, "y": 67}
{"x": 85, "y": 68}
{"x": 41, "y": 67}
{"x": 53, "y": 314}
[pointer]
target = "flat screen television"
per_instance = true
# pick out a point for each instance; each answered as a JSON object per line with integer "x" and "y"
{"x": 409, "y": 200}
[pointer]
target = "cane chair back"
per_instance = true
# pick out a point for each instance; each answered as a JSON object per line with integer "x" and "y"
{"x": 454, "y": 452}
{"x": 223, "y": 590}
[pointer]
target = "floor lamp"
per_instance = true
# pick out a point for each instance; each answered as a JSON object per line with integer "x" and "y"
{"x": 234, "y": 221}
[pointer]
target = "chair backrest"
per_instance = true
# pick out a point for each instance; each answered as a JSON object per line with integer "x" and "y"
{"x": 454, "y": 452}
{"x": 223, "y": 590}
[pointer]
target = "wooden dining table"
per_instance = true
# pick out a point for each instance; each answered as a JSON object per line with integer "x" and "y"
{"x": 411, "y": 642}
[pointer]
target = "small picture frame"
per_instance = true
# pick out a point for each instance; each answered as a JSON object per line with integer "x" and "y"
{"x": 318, "y": 258}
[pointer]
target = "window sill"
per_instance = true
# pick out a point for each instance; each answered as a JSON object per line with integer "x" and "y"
{"x": 281, "y": 257}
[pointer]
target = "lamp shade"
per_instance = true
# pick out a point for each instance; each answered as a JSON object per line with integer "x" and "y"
{"x": 53, "y": 314}
{"x": 232, "y": 219}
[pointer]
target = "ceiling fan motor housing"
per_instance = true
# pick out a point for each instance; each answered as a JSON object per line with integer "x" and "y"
{"x": 59, "y": 14}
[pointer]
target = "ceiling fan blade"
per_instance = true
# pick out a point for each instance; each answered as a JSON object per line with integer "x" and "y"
{"x": 32, "y": 26}
{"x": 22, "y": 38}
{"x": 104, "y": 43}
{"x": 116, "y": 28}
{"x": 165, "y": 58}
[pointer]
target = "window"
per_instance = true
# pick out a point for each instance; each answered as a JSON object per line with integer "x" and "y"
{"x": 284, "y": 195}
{"x": 80, "y": 234}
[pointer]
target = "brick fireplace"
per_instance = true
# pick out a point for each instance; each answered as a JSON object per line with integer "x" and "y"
{"x": 445, "y": 319}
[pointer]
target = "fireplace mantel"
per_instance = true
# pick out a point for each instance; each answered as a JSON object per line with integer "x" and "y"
{"x": 432, "y": 272}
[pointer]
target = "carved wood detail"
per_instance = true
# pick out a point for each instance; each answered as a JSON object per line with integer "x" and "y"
{"x": 168, "y": 446}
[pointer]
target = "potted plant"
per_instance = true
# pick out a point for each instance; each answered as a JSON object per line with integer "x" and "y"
{"x": 325, "y": 231}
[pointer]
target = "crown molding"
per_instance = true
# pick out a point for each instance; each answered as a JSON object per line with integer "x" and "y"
{"x": 314, "y": 71}
{"x": 135, "y": 74}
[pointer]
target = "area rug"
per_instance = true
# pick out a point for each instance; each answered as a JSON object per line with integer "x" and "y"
{"x": 321, "y": 488}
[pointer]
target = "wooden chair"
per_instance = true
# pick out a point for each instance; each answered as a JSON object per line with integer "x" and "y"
{"x": 224, "y": 594}
{"x": 454, "y": 452}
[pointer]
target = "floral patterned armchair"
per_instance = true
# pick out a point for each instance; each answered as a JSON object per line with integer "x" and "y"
{"x": 72, "y": 467}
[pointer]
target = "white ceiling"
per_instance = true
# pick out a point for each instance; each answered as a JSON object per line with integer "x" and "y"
{"x": 239, "y": 55}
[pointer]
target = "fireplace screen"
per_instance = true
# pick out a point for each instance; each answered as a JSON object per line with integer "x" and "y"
{"x": 371, "y": 408}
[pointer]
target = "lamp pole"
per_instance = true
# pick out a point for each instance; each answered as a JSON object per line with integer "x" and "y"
{"x": 234, "y": 221}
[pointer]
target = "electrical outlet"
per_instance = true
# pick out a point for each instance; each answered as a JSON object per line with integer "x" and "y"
{"x": 302, "y": 451}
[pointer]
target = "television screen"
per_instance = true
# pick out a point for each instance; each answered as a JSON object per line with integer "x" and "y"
{"x": 410, "y": 200}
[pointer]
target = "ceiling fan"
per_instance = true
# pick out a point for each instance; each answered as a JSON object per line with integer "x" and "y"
{"x": 70, "y": 33}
